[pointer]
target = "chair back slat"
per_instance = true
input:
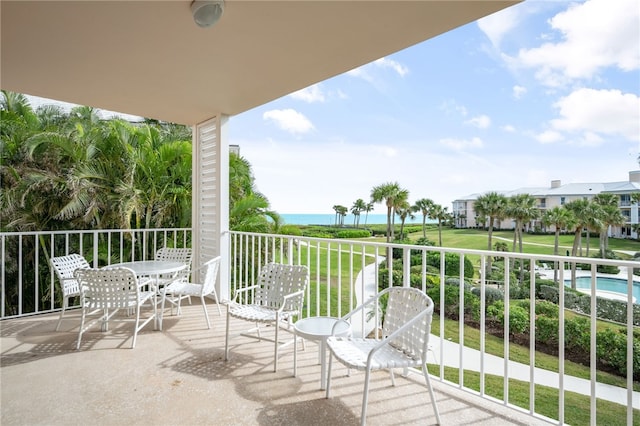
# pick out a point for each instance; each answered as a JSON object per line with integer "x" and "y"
{"x": 112, "y": 288}
{"x": 403, "y": 305}
{"x": 64, "y": 267}
{"x": 277, "y": 280}
{"x": 210, "y": 275}
{"x": 182, "y": 255}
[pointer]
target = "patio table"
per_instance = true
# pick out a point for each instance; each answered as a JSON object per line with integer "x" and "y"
{"x": 319, "y": 329}
{"x": 152, "y": 268}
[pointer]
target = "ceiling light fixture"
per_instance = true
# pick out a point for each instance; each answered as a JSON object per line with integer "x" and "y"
{"x": 207, "y": 12}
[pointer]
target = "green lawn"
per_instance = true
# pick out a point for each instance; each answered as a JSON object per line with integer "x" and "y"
{"x": 535, "y": 244}
{"x": 576, "y": 407}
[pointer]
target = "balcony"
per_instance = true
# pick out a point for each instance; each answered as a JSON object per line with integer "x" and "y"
{"x": 179, "y": 375}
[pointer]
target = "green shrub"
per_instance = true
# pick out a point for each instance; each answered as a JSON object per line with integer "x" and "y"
{"x": 518, "y": 319}
{"x": 452, "y": 300}
{"x": 491, "y": 294}
{"x": 546, "y": 308}
{"x": 353, "y": 233}
{"x": 577, "y": 334}
{"x": 547, "y": 330}
{"x": 423, "y": 241}
{"x": 451, "y": 264}
{"x": 611, "y": 350}
{"x": 518, "y": 316}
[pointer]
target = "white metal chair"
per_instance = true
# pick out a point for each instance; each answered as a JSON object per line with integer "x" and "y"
{"x": 277, "y": 297}
{"x": 179, "y": 289}
{"x": 182, "y": 255}
{"x": 405, "y": 340}
{"x": 105, "y": 292}
{"x": 64, "y": 267}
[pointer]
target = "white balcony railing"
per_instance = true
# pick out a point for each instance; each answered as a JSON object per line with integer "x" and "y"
{"x": 346, "y": 272}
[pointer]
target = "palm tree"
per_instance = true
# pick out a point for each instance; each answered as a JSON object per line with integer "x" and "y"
{"x": 560, "y": 218}
{"x": 424, "y": 206}
{"x": 582, "y": 212}
{"x": 389, "y": 193}
{"x": 404, "y": 211}
{"x": 635, "y": 198}
{"x": 522, "y": 208}
{"x": 441, "y": 214}
{"x": 611, "y": 216}
{"x": 368, "y": 207}
{"x": 491, "y": 205}
{"x": 338, "y": 208}
{"x": 358, "y": 206}
{"x": 252, "y": 214}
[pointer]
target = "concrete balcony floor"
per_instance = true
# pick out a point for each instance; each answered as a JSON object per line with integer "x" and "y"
{"x": 178, "y": 376}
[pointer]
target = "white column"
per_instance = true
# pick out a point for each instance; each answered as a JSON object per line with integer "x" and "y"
{"x": 210, "y": 197}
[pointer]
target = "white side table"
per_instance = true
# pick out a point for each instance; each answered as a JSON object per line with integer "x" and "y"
{"x": 319, "y": 329}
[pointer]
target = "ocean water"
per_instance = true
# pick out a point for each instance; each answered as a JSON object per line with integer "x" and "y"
{"x": 330, "y": 219}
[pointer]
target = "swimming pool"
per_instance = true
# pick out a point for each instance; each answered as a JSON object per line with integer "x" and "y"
{"x": 615, "y": 285}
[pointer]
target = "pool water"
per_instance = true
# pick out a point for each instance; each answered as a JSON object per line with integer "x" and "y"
{"x": 615, "y": 285}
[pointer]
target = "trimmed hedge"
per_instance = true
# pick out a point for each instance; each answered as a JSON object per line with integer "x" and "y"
{"x": 607, "y": 309}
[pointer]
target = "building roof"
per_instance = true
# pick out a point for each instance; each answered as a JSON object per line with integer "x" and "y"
{"x": 570, "y": 189}
{"x": 148, "y": 58}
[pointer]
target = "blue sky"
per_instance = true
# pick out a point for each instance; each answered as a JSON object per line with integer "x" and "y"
{"x": 543, "y": 90}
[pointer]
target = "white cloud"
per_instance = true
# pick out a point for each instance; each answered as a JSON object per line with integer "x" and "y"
{"x": 595, "y": 34}
{"x": 396, "y": 66}
{"x": 36, "y": 102}
{"x": 365, "y": 72}
{"x": 309, "y": 94}
{"x": 480, "y": 121}
{"x": 497, "y": 25}
{"x": 451, "y": 106}
{"x": 508, "y": 128}
{"x": 289, "y": 120}
{"x": 462, "y": 144}
{"x": 549, "y": 136}
{"x": 608, "y": 112}
{"x": 519, "y": 91}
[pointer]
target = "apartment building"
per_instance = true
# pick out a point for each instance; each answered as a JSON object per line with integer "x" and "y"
{"x": 558, "y": 194}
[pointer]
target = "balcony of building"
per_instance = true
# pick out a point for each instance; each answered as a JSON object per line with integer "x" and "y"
{"x": 178, "y": 375}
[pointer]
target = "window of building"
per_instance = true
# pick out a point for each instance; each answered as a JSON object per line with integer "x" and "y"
{"x": 562, "y": 201}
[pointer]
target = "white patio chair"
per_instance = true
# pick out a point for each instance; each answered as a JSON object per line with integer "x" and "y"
{"x": 64, "y": 267}
{"x": 182, "y": 255}
{"x": 105, "y": 292}
{"x": 405, "y": 341}
{"x": 179, "y": 289}
{"x": 277, "y": 297}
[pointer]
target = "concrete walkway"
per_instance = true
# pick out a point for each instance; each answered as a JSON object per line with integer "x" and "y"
{"x": 495, "y": 365}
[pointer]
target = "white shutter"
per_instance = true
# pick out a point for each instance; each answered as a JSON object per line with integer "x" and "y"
{"x": 210, "y": 199}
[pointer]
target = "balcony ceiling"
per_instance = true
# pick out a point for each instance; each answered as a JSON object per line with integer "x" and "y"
{"x": 148, "y": 58}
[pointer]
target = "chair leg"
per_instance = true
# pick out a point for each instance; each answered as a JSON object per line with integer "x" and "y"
{"x": 275, "y": 361}
{"x": 164, "y": 297}
{"x": 65, "y": 303}
{"x": 206, "y": 314}
{"x": 215, "y": 295}
{"x": 365, "y": 398}
{"x": 226, "y": 339}
{"x": 135, "y": 330}
{"x": 295, "y": 352}
{"x": 82, "y": 319}
{"x": 431, "y": 394}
